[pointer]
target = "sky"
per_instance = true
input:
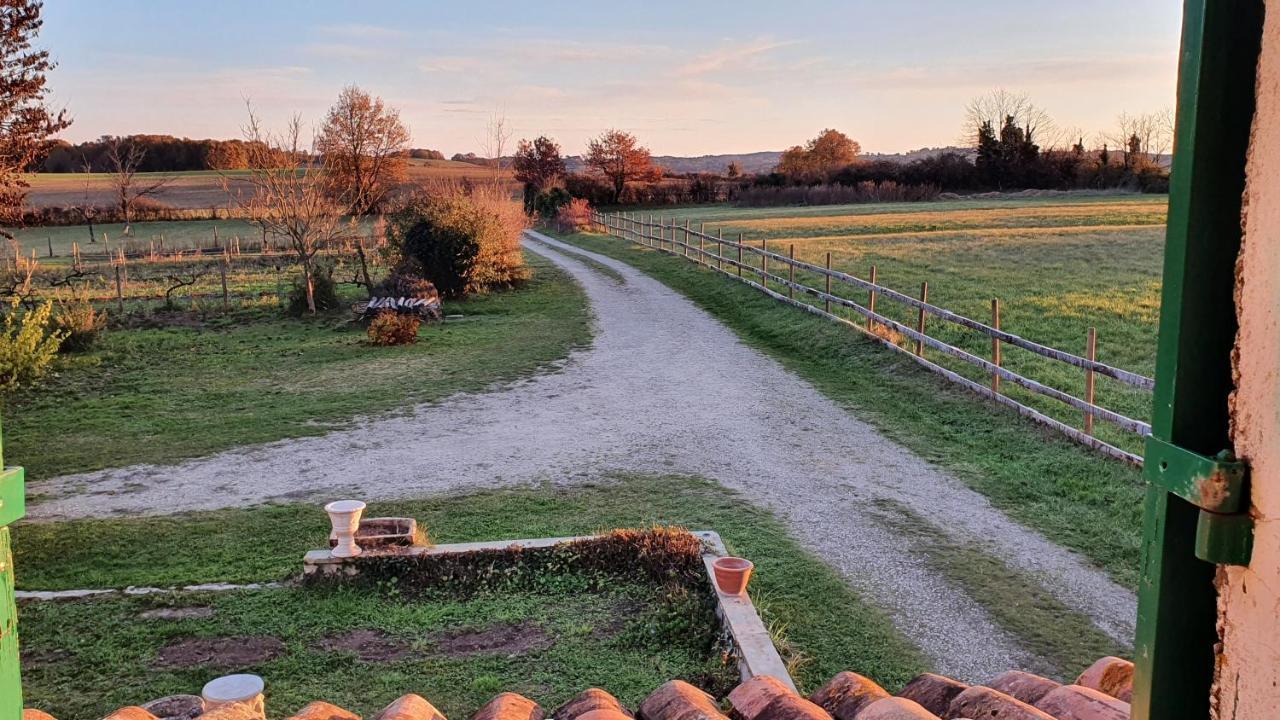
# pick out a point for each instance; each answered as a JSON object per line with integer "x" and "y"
{"x": 692, "y": 77}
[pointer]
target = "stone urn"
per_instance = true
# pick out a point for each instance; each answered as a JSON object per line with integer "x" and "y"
{"x": 732, "y": 574}
{"x": 344, "y": 515}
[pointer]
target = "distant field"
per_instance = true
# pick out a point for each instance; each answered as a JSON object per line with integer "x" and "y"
{"x": 202, "y": 189}
{"x": 1059, "y": 265}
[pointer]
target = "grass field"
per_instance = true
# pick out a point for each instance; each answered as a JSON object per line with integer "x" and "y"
{"x": 822, "y": 626}
{"x": 193, "y": 382}
{"x": 1058, "y": 266}
{"x": 1054, "y": 285}
{"x": 202, "y": 189}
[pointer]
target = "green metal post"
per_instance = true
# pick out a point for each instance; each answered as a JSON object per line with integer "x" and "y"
{"x": 12, "y": 507}
{"x": 1174, "y": 648}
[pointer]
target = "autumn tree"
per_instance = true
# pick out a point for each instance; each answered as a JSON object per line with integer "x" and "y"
{"x": 538, "y": 163}
{"x": 124, "y": 157}
{"x": 26, "y": 120}
{"x": 364, "y": 147}
{"x": 822, "y": 156}
{"x": 734, "y": 170}
{"x": 620, "y": 159}
{"x": 284, "y": 194}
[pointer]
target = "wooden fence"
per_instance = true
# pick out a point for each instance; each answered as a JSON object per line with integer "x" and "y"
{"x": 668, "y": 236}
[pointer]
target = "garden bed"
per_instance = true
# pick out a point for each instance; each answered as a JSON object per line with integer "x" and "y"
{"x": 627, "y": 611}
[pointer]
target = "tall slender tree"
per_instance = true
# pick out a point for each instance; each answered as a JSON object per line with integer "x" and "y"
{"x": 26, "y": 120}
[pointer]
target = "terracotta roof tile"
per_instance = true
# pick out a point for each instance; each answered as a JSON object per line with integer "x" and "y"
{"x": 895, "y": 708}
{"x": 233, "y": 711}
{"x": 1110, "y": 675}
{"x": 792, "y": 707}
{"x": 751, "y": 697}
{"x": 410, "y": 707}
{"x": 678, "y": 700}
{"x": 585, "y": 702}
{"x": 1024, "y": 686}
{"x": 846, "y": 694}
{"x": 983, "y": 702}
{"x": 320, "y": 710}
{"x": 1076, "y": 702}
{"x": 132, "y": 712}
{"x": 1013, "y": 695}
{"x": 932, "y": 692}
{"x": 507, "y": 706}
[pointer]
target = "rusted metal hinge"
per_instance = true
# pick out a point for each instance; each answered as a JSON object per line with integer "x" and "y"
{"x": 1217, "y": 485}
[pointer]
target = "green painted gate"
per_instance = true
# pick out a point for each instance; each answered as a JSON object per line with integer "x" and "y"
{"x": 12, "y": 507}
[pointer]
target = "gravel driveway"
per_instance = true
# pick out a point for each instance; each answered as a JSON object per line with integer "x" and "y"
{"x": 658, "y": 364}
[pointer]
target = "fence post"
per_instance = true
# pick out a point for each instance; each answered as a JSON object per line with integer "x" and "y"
{"x": 702, "y": 249}
{"x": 720, "y": 248}
{"x": 924, "y": 297}
{"x": 687, "y": 243}
{"x": 119, "y": 291}
{"x": 1090, "y": 352}
{"x": 764, "y": 262}
{"x": 791, "y": 271}
{"x": 222, "y": 272}
{"x": 995, "y": 345}
{"x": 871, "y": 300}
{"x": 50, "y": 247}
{"x": 828, "y": 300}
{"x": 739, "y": 254}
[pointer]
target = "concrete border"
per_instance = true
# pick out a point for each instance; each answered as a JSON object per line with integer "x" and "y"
{"x": 751, "y": 641}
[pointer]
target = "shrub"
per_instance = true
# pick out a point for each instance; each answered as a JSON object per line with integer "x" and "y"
{"x": 547, "y": 204}
{"x": 463, "y": 242}
{"x": 28, "y": 345}
{"x": 80, "y": 324}
{"x": 574, "y": 217}
{"x": 391, "y": 328}
{"x": 325, "y": 289}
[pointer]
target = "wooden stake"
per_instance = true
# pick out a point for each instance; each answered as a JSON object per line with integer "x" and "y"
{"x": 687, "y": 243}
{"x": 995, "y": 344}
{"x": 924, "y": 297}
{"x": 119, "y": 291}
{"x": 871, "y": 300}
{"x": 1091, "y": 353}
{"x": 50, "y": 247}
{"x": 739, "y": 254}
{"x": 791, "y": 270}
{"x": 222, "y": 272}
{"x": 764, "y": 263}
{"x": 828, "y": 302}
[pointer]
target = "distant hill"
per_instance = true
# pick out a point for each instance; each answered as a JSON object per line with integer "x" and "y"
{"x": 760, "y": 162}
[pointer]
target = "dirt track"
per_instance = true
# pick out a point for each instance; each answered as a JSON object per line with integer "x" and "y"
{"x": 658, "y": 364}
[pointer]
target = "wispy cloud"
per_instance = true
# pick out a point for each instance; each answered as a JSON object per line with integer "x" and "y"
{"x": 729, "y": 56}
{"x": 361, "y": 31}
{"x": 347, "y": 51}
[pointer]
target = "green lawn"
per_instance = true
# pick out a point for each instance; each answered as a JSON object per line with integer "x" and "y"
{"x": 1072, "y": 495}
{"x": 205, "y": 382}
{"x": 822, "y": 625}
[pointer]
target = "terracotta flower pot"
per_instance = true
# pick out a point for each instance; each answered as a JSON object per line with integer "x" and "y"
{"x": 732, "y": 574}
{"x": 344, "y": 515}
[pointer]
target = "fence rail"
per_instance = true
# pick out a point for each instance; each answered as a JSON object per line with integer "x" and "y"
{"x": 667, "y": 236}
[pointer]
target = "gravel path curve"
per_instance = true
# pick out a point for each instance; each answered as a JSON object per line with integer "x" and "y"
{"x": 657, "y": 363}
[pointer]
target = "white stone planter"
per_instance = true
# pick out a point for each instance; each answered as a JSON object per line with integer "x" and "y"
{"x": 235, "y": 689}
{"x": 344, "y": 515}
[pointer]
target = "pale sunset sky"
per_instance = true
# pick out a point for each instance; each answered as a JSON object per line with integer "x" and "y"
{"x": 688, "y": 78}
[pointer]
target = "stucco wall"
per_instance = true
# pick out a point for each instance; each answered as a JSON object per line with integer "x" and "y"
{"x": 1247, "y": 686}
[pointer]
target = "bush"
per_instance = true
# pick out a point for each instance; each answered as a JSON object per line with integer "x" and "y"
{"x": 547, "y": 204}
{"x": 463, "y": 242}
{"x": 324, "y": 288}
{"x": 79, "y": 323}
{"x": 391, "y": 328}
{"x": 28, "y": 345}
{"x": 574, "y": 217}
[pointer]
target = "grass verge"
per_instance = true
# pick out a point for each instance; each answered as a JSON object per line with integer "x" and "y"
{"x": 825, "y": 626}
{"x": 158, "y": 395}
{"x": 1075, "y": 497}
{"x": 1064, "y": 640}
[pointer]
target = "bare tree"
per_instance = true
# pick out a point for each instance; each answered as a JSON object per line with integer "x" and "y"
{"x": 124, "y": 157}
{"x": 1145, "y": 139}
{"x": 497, "y": 136}
{"x": 284, "y": 194}
{"x": 998, "y": 105}
{"x": 364, "y": 146}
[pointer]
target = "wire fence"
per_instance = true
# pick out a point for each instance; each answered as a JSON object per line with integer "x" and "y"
{"x": 751, "y": 265}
